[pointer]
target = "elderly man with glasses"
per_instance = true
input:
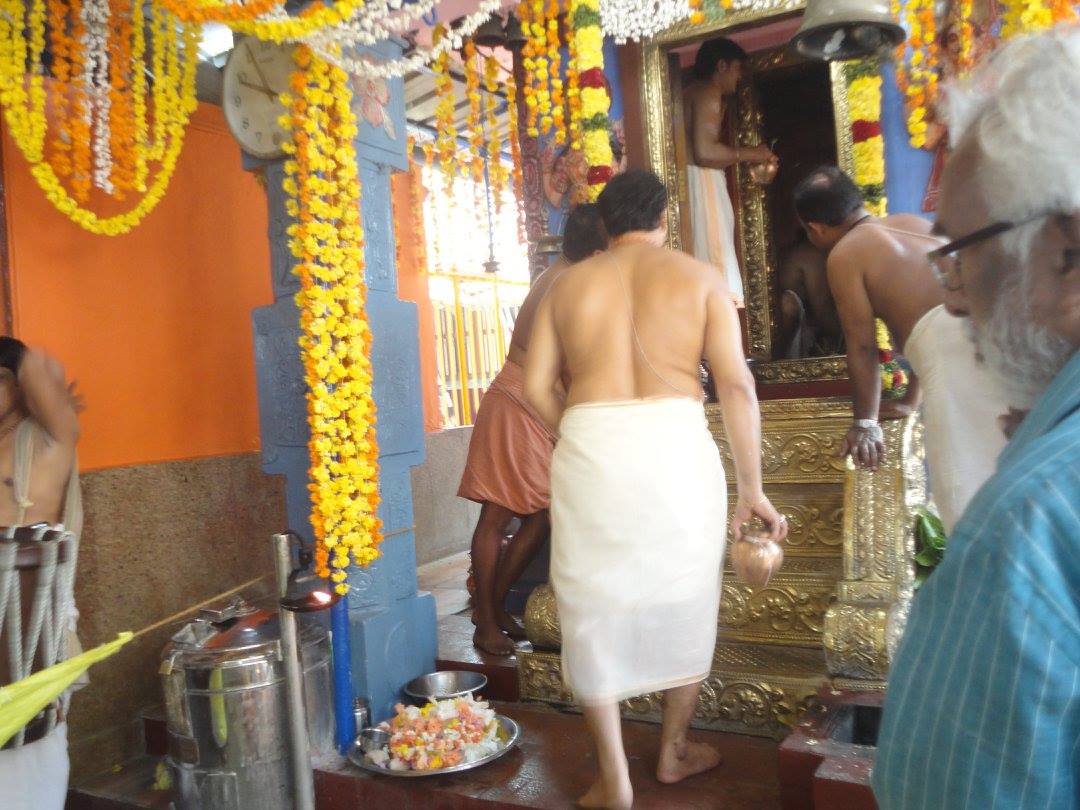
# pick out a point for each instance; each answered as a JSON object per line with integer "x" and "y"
{"x": 878, "y": 268}
{"x": 983, "y": 708}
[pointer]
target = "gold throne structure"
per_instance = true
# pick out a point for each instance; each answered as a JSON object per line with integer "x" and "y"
{"x": 835, "y": 611}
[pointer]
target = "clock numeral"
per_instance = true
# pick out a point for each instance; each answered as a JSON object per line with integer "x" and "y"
{"x": 236, "y": 100}
{"x": 276, "y": 139}
{"x": 242, "y": 77}
{"x": 264, "y": 45}
{"x": 258, "y": 136}
{"x": 244, "y": 124}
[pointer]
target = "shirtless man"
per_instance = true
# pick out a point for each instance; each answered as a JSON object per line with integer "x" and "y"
{"x": 38, "y": 431}
{"x": 509, "y": 455}
{"x": 637, "y": 488}
{"x": 718, "y": 67}
{"x": 878, "y": 268}
{"x": 808, "y": 318}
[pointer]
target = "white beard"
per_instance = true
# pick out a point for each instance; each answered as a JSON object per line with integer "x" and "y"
{"x": 1023, "y": 354}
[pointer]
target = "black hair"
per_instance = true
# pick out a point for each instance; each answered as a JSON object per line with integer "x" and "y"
{"x": 826, "y": 196}
{"x": 583, "y": 233}
{"x": 11, "y": 353}
{"x": 713, "y": 52}
{"x": 632, "y": 201}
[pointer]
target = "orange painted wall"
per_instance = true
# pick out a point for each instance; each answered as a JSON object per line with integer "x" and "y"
{"x": 412, "y": 286}
{"x": 155, "y": 324}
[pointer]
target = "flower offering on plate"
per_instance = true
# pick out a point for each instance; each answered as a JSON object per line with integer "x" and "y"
{"x": 439, "y": 735}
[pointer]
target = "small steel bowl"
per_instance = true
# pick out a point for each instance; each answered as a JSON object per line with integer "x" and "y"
{"x": 445, "y": 685}
{"x": 373, "y": 739}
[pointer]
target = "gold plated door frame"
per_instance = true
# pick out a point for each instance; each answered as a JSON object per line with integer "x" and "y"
{"x": 751, "y": 212}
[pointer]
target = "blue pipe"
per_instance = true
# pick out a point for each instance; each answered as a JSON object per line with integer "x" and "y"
{"x": 345, "y": 719}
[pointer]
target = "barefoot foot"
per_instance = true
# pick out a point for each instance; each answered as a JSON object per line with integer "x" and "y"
{"x": 602, "y": 797}
{"x": 492, "y": 640}
{"x": 685, "y": 759}
{"x": 509, "y": 624}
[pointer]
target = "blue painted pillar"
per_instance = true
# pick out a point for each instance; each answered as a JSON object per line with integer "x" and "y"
{"x": 391, "y": 626}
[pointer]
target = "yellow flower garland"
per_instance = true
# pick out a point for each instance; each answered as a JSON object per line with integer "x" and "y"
{"x": 327, "y": 238}
{"x": 24, "y": 110}
{"x": 595, "y": 102}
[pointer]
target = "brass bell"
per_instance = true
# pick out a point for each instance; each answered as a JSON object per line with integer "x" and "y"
{"x": 490, "y": 33}
{"x": 835, "y": 30}
{"x": 515, "y": 37}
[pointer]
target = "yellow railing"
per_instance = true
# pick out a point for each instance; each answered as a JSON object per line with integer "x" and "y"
{"x": 472, "y": 335}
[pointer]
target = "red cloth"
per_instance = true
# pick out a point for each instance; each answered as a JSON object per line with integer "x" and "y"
{"x": 510, "y": 450}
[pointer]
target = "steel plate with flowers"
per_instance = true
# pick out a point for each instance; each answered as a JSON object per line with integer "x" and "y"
{"x": 447, "y": 736}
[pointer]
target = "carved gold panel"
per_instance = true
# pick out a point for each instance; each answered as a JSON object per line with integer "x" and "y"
{"x": 751, "y": 690}
{"x": 659, "y": 101}
{"x": 800, "y": 440}
{"x": 789, "y": 610}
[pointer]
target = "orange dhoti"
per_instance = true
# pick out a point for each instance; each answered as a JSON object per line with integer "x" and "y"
{"x": 510, "y": 451}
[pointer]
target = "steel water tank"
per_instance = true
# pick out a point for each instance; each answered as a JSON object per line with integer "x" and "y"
{"x": 223, "y": 678}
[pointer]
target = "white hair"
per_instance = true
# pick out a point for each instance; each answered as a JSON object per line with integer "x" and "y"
{"x": 1021, "y": 110}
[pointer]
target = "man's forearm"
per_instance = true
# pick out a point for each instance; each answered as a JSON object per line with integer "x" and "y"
{"x": 865, "y": 374}
{"x": 742, "y": 421}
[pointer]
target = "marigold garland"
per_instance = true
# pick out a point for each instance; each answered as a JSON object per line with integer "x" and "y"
{"x": 863, "y": 80}
{"x": 476, "y": 125}
{"x": 446, "y": 138}
{"x": 497, "y": 170}
{"x": 327, "y": 238}
{"x": 595, "y": 102}
{"x": 97, "y": 133}
{"x": 513, "y": 137}
{"x": 558, "y": 101}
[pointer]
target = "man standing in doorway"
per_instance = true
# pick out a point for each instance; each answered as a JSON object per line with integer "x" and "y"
{"x": 718, "y": 67}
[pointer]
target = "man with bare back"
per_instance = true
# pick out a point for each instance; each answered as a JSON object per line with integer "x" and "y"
{"x": 638, "y": 498}
{"x": 718, "y": 67}
{"x": 509, "y": 454}
{"x": 38, "y": 484}
{"x": 878, "y": 268}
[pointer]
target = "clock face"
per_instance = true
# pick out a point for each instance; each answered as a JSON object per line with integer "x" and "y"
{"x": 256, "y": 74}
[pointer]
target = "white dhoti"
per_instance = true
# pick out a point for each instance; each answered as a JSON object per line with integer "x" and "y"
{"x": 35, "y": 776}
{"x": 712, "y": 223}
{"x": 961, "y": 403}
{"x": 638, "y": 525}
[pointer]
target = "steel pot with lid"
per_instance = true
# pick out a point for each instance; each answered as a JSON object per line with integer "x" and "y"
{"x": 223, "y": 678}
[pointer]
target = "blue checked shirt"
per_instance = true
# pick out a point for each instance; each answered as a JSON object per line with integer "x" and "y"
{"x": 983, "y": 707}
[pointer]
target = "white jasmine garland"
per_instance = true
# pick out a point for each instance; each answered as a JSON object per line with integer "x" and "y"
{"x": 640, "y": 19}
{"x": 377, "y": 21}
{"x": 95, "y": 78}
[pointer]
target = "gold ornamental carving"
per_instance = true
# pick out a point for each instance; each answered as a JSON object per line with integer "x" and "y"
{"x": 542, "y": 619}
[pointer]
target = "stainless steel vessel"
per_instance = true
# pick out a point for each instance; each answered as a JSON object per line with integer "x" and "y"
{"x": 223, "y": 678}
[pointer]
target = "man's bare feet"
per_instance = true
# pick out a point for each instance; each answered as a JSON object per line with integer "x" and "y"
{"x": 492, "y": 640}
{"x": 619, "y": 797}
{"x": 685, "y": 759}
{"x": 509, "y": 624}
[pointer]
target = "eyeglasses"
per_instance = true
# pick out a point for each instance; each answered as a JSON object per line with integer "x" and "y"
{"x": 945, "y": 260}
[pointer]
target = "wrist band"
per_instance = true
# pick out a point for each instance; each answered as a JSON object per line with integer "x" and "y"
{"x": 866, "y": 424}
